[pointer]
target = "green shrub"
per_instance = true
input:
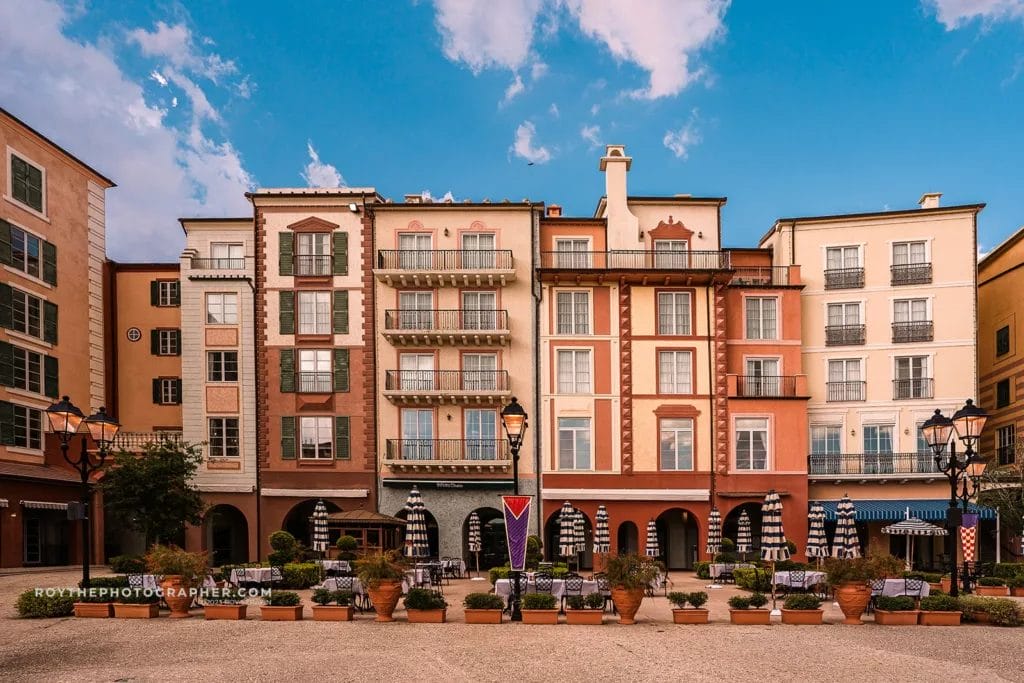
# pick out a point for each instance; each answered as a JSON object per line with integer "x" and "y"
{"x": 1005, "y": 612}
{"x": 127, "y": 564}
{"x": 739, "y": 602}
{"x": 170, "y": 560}
{"x": 940, "y": 603}
{"x": 898, "y": 603}
{"x": 923, "y": 576}
{"x": 698, "y": 599}
{"x": 559, "y": 572}
{"x": 347, "y": 546}
{"x": 43, "y": 606}
{"x": 386, "y": 566}
{"x": 322, "y": 596}
{"x": 703, "y": 570}
{"x": 534, "y": 551}
{"x": 483, "y": 601}
{"x": 575, "y": 602}
{"x": 678, "y": 599}
{"x": 753, "y": 579}
{"x": 790, "y": 565}
{"x": 496, "y": 573}
{"x": 300, "y": 576}
{"x": 630, "y": 571}
{"x": 136, "y": 597}
{"x": 421, "y": 598}
{"x": 342, "y": 598}
{"x": 862, "y": 569}
{"x": 1016, "y": 581}
{"x": 108, "y": 582}
{"x": 758, "y": 600}
{"x": 1007, "y": 570}
{"x": 726, "y": 557}
{"x": 991, "y": 581}
{"x": 801, "y": 601}
{"x": 590, "y": 601}
{"x": 538, "y": 601}
{"x": 282, "y": 599}
{"x": 728, "y": 545}
{"x": 282, "y": 540}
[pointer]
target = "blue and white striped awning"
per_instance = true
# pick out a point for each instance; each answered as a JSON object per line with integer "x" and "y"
{"x": 896, "y": 510}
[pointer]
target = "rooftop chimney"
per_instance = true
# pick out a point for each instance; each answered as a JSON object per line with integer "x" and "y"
{"x": 554, "y": 211}
{"x": 623, "y": 226}
{"x": 929, "y": 200}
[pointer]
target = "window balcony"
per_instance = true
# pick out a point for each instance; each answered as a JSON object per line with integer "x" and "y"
{"x": 202, "y": 263}
{"x": 918, "y": 387}
{"x": 635, "y": 260}
{"x": 845, "y": 335}
{"x": 447, "y": 455}
{"x": 445, "y": 267}
{"x": 765, "y": 386}
{"x": 454, "y": 327}
{"x": 872, "y": 466}
{"x": 430, "y": 387}
{"x": 844, "y": 278}
{"x": 314, "y": 382}
{"x": 313, "y": 265}
{"x": 136, "y": 441}
{"x": 760, "y": 276}
{"x": 917, "y": 331}
{"x": 911, "y": 274}
{"x": 837, "y": 392}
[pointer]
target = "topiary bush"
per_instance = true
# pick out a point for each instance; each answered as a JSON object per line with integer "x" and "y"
{"x": 898, "y": 603}
{"x": 538, "y": 601}
{"x": 589, "y": 601}
{"x": 753, "y": 579}
{"x": 483, "y": 601}
{"x": 758, "y": 600}
{"x": 127, "y": 564}
{"x": 703, "y": 570}
{"x": 31, "y": 605}
{"x": 422, "y": 598}
{"x": 940, "y": 603}
{"x": 496, "y": 573}
{"x": 301, "y": 575}
{"x": 282, "y": 599}
{"x": 285, "y": 548}
{"x": 347, "y": 546}
{"x": 739, "y": 602}
{"x": 804, "y": 601}
{"x": 534, "y": 551}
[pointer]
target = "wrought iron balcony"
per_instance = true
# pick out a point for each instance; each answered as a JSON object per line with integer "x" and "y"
{"x": 314, "y": 382}
{"x": 917, "y": 331}
{"x": 845, "y": 391}
{"x": 845, "y": 335}
{"x": 483, "y": 387}
{"x": 136, "y": 441}
{"x": 451, "y": 326}
{"x": 447, "y": 455}
{"x": 198, "y": 263}
{"x": 846, "y": 465}
{"x": 911, "y": 274}
{"x": 314, "y": 264}
{"x": 844, "y": 278}
{"x": 760, "y": 276}
{"x": 766, "y": 386}
{"x": 918, "y": 387}
{"x": 445, "y": 267}
{"x": 638, "y": 259}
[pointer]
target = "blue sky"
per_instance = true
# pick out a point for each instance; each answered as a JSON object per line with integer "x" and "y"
{"x": 788, "y": 109}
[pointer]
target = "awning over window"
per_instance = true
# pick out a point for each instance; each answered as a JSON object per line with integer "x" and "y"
{"x": 895, "y": 510}
{"x": 43, "y": 505}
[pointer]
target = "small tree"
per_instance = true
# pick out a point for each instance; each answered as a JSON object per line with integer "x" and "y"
{"x": 1003, "y": 489}
{"x": 153, "y": 492}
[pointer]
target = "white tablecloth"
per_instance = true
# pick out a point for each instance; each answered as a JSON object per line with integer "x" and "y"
{"x": 459, "y": 564}
{"x": 715, "y": 569}
{"x": 810, "y": 579}
{"x": 332, "y": 584}
{"x": 250, "y": 575}
{"x": 503, "y": 587}
{"x": 337, "y": 565}
{"x": 894, "y": 587}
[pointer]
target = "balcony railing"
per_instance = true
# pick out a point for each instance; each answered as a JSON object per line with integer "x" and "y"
{"x": 446, "y": 380}
{"x": 314, "y": 382}
{"x": 918, "y": 387}
{"x": 314, "y": 264}
{"x": 635, "y": 260}
{"x": 844, "y": 278}
{"x": 765, "y": 386}
{"x": 838, "y": 464}
{"x": 445, "y": 259}
{"x": 445, "y": 320}
{"x": 218, "y": 263}
{"x": 760, "y": 276}
{"x": 131, "y": 441}
{"x": 845, "y": 391}
{"x": 844, "y": 335}
{"x": 467, "y": 455}
{"x": 911, "y": 274}
{"x": 917, "y": 331}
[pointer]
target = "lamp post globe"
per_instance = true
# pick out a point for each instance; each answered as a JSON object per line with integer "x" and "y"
{"x": 514, "y": 419}
{"x": 65, "y": 418}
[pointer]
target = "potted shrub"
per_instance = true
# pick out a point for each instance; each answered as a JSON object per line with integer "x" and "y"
{"x": 284, "y": 547}
{"x": 629, "y": 576}
{"x": 225, "y": 605}
{"x": 940, "y": 610}
{"x": 182, "y": 573}
{"x": 47, "y": 605}
{"x": 483, "y": 608}
{"x": 850, "y": 578}
{"x": 1002, "y": 611}
{"x": 332, "y": 605}
{"x": 94, "y": 603}
{"x": 898, "y": 610}
{"x": 539, "y": 608}
{"x": 945, "y": 583}
{"x": 682, "y": 615}
{"x": 381, "y": 574}
{"x": 585, "y": 610}
{"x": 1016, "y": 586}
{"x": 136, "y": 604}
{"x": 281, "y": 606}
{"x": 992, "y": 586}
{"x": 746, "y": 610}
{"x": 425, "y": 606}
{"x": 802, "y": 609}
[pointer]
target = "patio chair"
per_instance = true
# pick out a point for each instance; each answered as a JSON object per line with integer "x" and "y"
{"x": 877, "y": 586}
{"x": 523, "y": 587}
{"x": 545, "y": 566}
{"x": 913, "y": 587}
{"x": 437, "y": 577}
{"x": 543, "y": 583}
{"x": 605, "y": 589}
{"x": 135, "y": 581}
{"x": 573, "y": 586}
{"x": 276, "y": 575}
{"x": 450, "y": 567}
{"x": 347, "y": 583}
{"x": 725, "y": 575}
{"x": 797, "y": 581}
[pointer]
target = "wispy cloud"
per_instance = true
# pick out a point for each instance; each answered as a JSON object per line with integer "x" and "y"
{"x": 514, "y": 89}
{"x": 318, "y": 173}
{"x": 591, "y": 135}
{"x": 483, "y": 34}
{"x": 954, "y": 14}
{"x": 680, "y": 141}
{"x": 524, "y": 148}
{"x": 553, "y": 110}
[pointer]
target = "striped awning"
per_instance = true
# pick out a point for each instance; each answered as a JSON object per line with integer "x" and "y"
{"x": 914, "y": 527}
{"x": 43, "y": 505}
{"x": 896, "y": 510}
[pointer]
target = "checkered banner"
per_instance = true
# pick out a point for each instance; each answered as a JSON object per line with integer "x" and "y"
{"x": 517, "y": 528}
{"x": 968, "y": 539}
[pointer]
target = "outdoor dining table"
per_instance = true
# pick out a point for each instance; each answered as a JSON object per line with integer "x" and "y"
{"x": 458, "y": 565}
{"x": 336, "y": 565}
{"x": 503, "y": 587}
{"x": 895, "y": 587}
{"x": 810, "y": 579}
{"x": 333, "y": 584}
{"x": 148, "y": 581}
{"x": 250, "y": 575}
{"x": 715, "y": 569}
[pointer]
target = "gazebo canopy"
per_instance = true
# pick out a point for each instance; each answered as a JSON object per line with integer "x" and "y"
{"x": 365, "y": 517}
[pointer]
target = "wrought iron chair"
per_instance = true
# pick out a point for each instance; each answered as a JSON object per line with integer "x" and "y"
{"x": 523, "y": 587}
{"x": 543, "y": 583}
{"x": 797, "y": 581}
{"x": 573, "y": 586}
{"x": 360, "y": 600}
{"x": 877, "y": 586}
{"x": 276, "y": 575}
{"x": 725, "y": 575}
{"x": 605, "y": 588}
{"x": 437, "y": 577}
{"x": 913, "y": 587}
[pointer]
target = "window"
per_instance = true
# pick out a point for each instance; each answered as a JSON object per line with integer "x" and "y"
{"x": 844, "y": 380}
{"x": 317, "y": 438}
{"x": 222, "y": 366}
{"x": 27, "y": 183}
{"x": 912, "y": 379}
{"x": 762, "y": 378}
{"x": 227, "y": 255}
{"x": 26, "y": 313}
{"x": 910, "y": 310}
{"x": 222, "y": 309}
{"x": 843, "y": 314}
{"x": 314, "y": 253}
{"x": 1006, "y": 444}
{"x": 675, "y": 372}
{"x": 751, "y": 443}
{"x": 677, "y": 444}
{"x": 414, "y": 250}
{"x": 826, "y": 439}
{"x": 169, "y": 391}
{"x": 843, "y": 269}
{"x": 761, "y": 318}
{"x": 478, "y": 310}
{"x": 878, "y": 449}
{"x": 315, "y": 371}
{"x": 314, "y": 312}
{"x": 906, "y": 253}
{"x": 1003, "y": 340}
{"x": 671, "y": 254}
{"x": 1002, "y": 393}
{"x": 841, "y": 258}
{"x": 28, "y": 370}
{"x": 481, "y": 434}
{"x": 574, "y": 443}
{"x": 28, "y": 428}
{"x": 26, "y": 252}
{"x": 223, "y": 437}
{"x": 573, "y": 311}
{"x": 673, "y": 313}
{"x": 477, "y": 250}
{"x": 480, "y": 371}
{"x": 573, "y": 253}
{"x": 416, "y": 371}
{"x": 417, "y": 434}
{"x": 415, "y": 310}
{"x": 168, "y": 341}
{"x": 574, "y": 371}
{"x": 168, "y": 293}
{"x": 922, "y": 447}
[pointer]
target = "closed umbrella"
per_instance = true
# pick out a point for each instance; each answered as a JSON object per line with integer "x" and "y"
{"x": 744, "y": 538}
{"x": 773, "y": 536}
{"x": 911, "y": 527}
{"x": 817, "y": 544}
{"x": 416, "y": 543}
{"x": 579, "y": 536}
{"x": 567, "y": 531}
{"x": 714, "y": 532}
{"x": 602, "y": 535}
{"x": 652, "y": 549}
{"x": 474, "y": 538}
{"x": 320, "y": 527}
{"x": 846, "y": 545}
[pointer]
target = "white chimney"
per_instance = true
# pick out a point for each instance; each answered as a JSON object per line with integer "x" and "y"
{"x": 929, "y": 200}
{"x": 623, "y": 226}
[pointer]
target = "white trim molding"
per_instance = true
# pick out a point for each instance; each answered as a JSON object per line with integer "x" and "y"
{"x": 226, "y": 488}
{"x": 626, "y": 494}
{"x": 315, "y": 493}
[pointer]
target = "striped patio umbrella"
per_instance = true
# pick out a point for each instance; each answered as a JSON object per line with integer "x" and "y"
{"x": 567, "y": 531}
{"x": 475, "y": 544}
{"x": 911, "y": 527}
{"x": 320, "y": 527}
{"x": 416, "y": 544}
{"x": 744, "y": 539}
{"x": 602, "y": 535}
{"x": 817, "y": 544}
{"x": 773, "y": 537}
{"x": 714, "y": 532}
{"x": 846, "y": 545}
{"x": 651, "y": 544}
{"x": 579, "y": 532}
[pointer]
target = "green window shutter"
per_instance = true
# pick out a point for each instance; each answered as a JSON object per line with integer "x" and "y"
{"x": 176, "y": 294}
{"x": 341, "y": 369}
{"x": 6, "y": 364}
{"x": 49, "y": 322}
{"x": 5, "y": 243}
{"x": 287, "y": 357}
{"x": 154, "y": 292}
{"x": 177, "y": 385}
{"x": 6, "y": 423}
{"x": 156, "y": 391}
{"x": 6, "y": 306}
{"x": 286, "y": 253}
{"x": 287, "y": 438}
{"x": 340, "y": 253}
{"x": 342, "y": 438}
{"x": 49, "y": 263}
{"x": 51, "y": 377}
{"x": 154, "y": 342}
{"x": 177, "y": 342}
{"x": 286, "y": 312}
{"x": 341, "y": 311}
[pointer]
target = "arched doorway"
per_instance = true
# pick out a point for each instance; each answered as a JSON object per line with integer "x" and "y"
{"x": 677, "y": 538}
{"x": 628, "y": 538}
{"x": 730, "y": 526}
{"x": 298, "y": 522}
{"x": 432, "y": 532}
{"x": 552, "y": 531}
{"x": 226, "y": 535}
{"x": 493, "y": 546}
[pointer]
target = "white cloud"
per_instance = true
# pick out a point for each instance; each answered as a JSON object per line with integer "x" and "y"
{"x": 954, "y": 14}
{"x": 485, "y": 34}
{"x": 537, "y": 70}
{"x": 174, "y": 102}
{"x": 553, "y": 110}
{"x": 680, "y": 141}
{"x": 594, "y": 109}
{"x": 159, "y": 78}
{"x": 176, "y": 45}
{"x": 590, "y": 134}
{"x": 523, "y": 146}
{"x": 514, "y": 89}
{"x": 320, "y": 174}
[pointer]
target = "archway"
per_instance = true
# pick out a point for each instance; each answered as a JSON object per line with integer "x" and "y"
{"x": 628, "y": 538}
{"x": 552, "y": 531}
{"x": 730, "y": 526}
{"x": 226, "y": 535}
{"x": 677, "y": 538}
{"x": 298, "y": 522}
{"x": 493, "y": 546}
{"x": 433, "y": 542}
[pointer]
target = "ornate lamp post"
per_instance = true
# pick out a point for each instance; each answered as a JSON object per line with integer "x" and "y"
{"x": 65, "y": 420}
{"x": 963, "y": 472}
{"x": 514, "y": 418}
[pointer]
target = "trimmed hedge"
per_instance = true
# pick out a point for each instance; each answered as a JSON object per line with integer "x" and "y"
{"x": 1001, "y": 611}
{"x": 300, "y": 575}
{"x": 127, "y": 564}
{"x": 755, "y": 579}
{"x": 895, "y": 603}
{"x": 32, "y": 606}
{"x": 703, "y": 569}
{"x": 1008, "y": 570}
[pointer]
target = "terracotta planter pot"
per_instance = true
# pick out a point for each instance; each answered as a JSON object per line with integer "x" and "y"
{"x": 93, "y": 610}
{"x": 332, "y": 613}
{"x": 384, "y": 597}
{"x": 981, "y": 617}
{"x": 177, "y": 596}
{"x": 944, "y": 584}
{"x": 939, "y": 618}
{"x": 992, "y": 591}
{"x": 226, "y": 612}
{"x": 690, "y": 616}
{"x": 902, "y": 618}
{"x": 802, "y": 617}
{"x": 427, "y": 616}
{"x": 584, "y": 617}
{"x": 126, "y": 611}
{"x": 853, "y": 599}
{"x": 540, "y": 616}
{"x": 1017, "y": 592}
{"x": 750, "y": 617}
{"x": 483, "y": 616}
{"x": 934, "y": 587}
{"x": 269, "y": 613}
{"x": 627, "y": 602}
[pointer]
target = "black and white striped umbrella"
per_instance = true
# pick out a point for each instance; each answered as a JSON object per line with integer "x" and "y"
{"x": 474, "y": 533}
{"x": 416, "y": 543}
{"x": 744, "y": 538}
{"x": 714, "y": 532}
{"x": 579, "y": 532}
{"x": 652, "y": 549}
{"x": 773, "y": 537}
{"x": 567, "y": 530}
{"x": 846, "y": 545}
{"x": 602, "y": 535}
{"x": 817, "y": 544}
{"x": 320, "y": 527}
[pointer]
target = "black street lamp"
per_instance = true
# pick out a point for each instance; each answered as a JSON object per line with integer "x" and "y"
{"x": 65, "y": 420}
{"x": 514, "y": 418}
{"x": 963, "y": 473}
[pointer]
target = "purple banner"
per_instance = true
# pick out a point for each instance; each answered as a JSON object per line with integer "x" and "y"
{"x": 517, "y": 528}
{"x": 970, "y": 519}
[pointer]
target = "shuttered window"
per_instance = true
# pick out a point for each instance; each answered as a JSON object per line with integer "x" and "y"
{"x": 27, "y": 183}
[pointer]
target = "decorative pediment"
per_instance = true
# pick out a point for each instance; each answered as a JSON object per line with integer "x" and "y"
{"x": 671, "y": 230}
{"x": 675, "y": 410}
{"x": 313, "y": 224}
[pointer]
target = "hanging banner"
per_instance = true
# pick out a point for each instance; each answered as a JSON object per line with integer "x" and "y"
{"x": 968, "y": 539}
{"x": 970, "y": 519}
{"x": 517, "y": 528}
